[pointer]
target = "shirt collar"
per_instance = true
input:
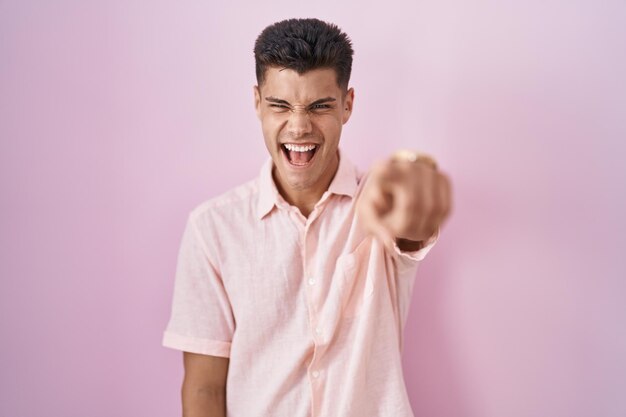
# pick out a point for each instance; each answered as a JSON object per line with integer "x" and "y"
{"x": 345, "y": 182}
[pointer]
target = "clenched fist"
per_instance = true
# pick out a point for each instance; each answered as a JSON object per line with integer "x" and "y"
{"x": 405, "y": 200}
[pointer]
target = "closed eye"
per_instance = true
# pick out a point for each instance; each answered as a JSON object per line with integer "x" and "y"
{"x": 321, "y": 106}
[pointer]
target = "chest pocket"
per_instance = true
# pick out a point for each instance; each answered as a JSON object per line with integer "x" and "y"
{"x": 356, "y": 284}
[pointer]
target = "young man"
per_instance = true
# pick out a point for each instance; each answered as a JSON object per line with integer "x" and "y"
{"x": 292, "y": 290}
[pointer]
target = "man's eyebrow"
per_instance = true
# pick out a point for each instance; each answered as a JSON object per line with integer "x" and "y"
{"x": 323, "y": 100}
{"x": 320, "y": 101}
{"x": 277, "y": 100}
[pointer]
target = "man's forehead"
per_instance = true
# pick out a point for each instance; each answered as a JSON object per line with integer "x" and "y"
{"x": 287, "y": 84}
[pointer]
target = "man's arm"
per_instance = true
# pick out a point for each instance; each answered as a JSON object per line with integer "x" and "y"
{"x": 407, "y": 245}
{"x": 204, "y": 386}
{"x": 406, "y": 199}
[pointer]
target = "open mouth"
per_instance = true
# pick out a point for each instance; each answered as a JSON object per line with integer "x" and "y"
{"x": 299, "y": 155}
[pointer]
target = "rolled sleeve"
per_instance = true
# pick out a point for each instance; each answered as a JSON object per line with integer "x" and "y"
{"x": 201, "y": 318}
{"x": 407, "y": 260}
{"x": 407, "y": 264}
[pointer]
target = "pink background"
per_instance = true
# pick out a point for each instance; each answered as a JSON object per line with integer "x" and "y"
{"x": 118, "y": 117}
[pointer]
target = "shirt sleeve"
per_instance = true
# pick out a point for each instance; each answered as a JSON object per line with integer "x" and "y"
{"x": 407, "y": 260}
{"x": 407, "y": 264}
{"x": 201, "y": 318}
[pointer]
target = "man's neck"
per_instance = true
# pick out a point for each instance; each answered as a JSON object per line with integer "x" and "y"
{"x": 306, "y": 199}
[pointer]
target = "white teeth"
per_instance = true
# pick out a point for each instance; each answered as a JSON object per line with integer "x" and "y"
{"x": 298, "y": 148}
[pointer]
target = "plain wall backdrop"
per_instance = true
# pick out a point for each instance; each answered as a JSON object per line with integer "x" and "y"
{"x": 118, "y": 117}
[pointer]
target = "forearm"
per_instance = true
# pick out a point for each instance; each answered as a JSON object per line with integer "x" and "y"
{"x": 202, "y": 402}
{"x": 409, "y": 245}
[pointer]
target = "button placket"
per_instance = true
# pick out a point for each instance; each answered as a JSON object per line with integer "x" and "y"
{"x": 312, "y": 282}
{"x": 318, "y": 334}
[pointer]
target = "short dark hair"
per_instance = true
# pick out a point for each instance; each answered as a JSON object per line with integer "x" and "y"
{"x": 303, "y": 45}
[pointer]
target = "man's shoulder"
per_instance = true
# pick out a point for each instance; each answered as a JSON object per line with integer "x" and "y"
{"x": 238, "y": 199}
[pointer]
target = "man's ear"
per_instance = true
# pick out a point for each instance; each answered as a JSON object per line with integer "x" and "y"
{"x": 348, "y": 103}
{"x": 257, "y": 101}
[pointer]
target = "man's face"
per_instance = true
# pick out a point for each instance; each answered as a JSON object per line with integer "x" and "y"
{"x": 301, "y": 118}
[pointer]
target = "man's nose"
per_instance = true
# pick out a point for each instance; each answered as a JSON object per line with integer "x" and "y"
{"x": 299, "y": 122}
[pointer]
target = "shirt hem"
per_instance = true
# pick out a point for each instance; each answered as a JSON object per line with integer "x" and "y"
{"x": 196, "y": 345}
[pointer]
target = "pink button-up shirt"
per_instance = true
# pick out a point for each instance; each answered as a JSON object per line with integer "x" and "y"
{"x": 310, "y": 311}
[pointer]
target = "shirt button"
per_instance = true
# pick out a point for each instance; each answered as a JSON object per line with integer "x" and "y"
{"x": 315, "y": 374}
{"x": 318, "y": 330}
{"x": 311, "y": 281}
